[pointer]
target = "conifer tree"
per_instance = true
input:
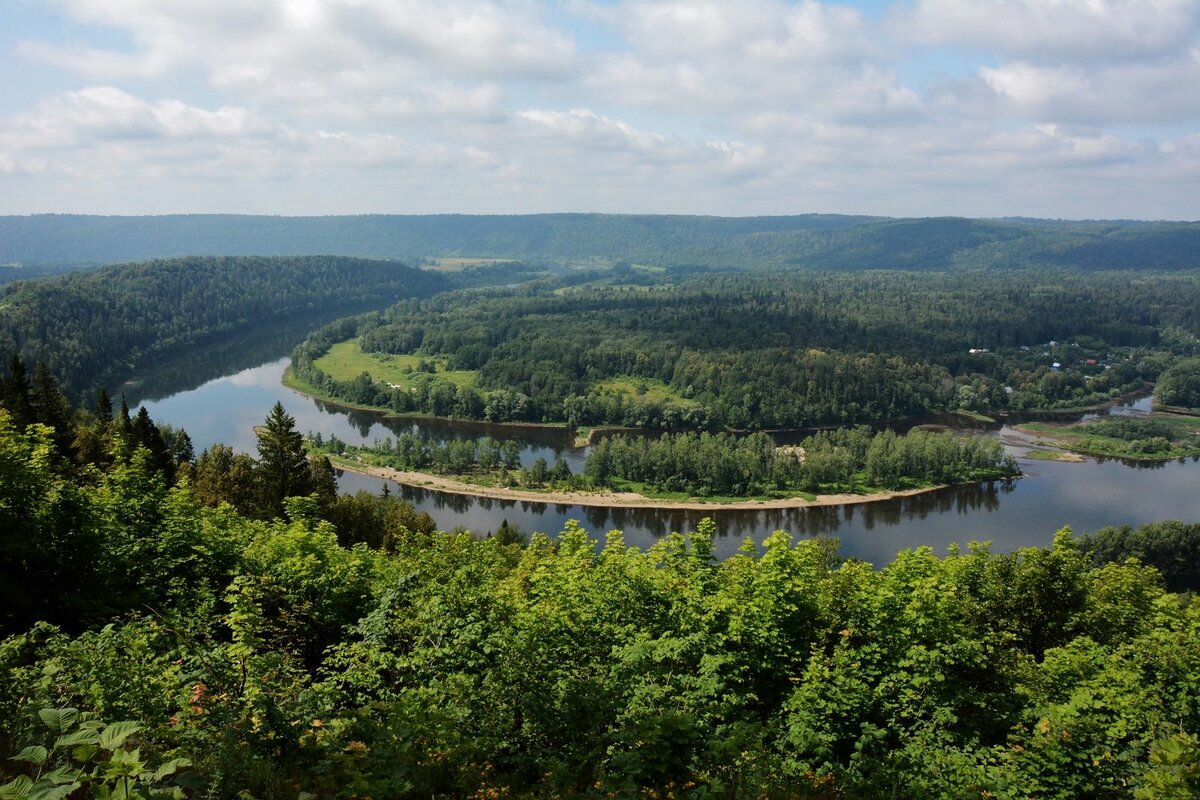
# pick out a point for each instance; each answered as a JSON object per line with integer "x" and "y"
{"x": 104, "y": 406}
{"x": 283, "y": 469}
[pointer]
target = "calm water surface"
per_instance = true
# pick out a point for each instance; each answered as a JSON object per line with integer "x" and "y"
{"x": 1026, "y": 512}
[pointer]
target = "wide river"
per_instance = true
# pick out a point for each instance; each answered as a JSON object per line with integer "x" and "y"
{"x": 218, "y": 403}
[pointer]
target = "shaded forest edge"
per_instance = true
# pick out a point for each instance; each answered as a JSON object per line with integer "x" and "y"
{"x": 107, "y": 326}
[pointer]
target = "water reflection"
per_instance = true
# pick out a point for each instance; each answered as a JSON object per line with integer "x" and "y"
{"x": 229, "y": 357}
{"x": 1012, "y": 514}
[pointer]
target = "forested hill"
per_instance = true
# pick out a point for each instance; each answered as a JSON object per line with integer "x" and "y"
{"x": 105, "y": 326}
{"x": 818, "y": 241}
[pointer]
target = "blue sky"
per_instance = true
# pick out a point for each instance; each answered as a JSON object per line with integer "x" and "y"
{"x": 1052, "y": 108}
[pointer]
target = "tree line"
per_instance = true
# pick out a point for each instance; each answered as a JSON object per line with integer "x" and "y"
{"x": 808, "y": 241}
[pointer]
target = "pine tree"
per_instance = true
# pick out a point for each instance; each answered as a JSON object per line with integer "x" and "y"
{"x": 123, "y": 421}
{"x": 283, "y": 469}
{"x": 104, "y": 406}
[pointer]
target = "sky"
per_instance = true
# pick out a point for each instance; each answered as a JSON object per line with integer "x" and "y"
{"x": 1081, "y": 109}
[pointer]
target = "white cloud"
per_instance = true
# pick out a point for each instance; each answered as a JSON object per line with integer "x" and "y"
{"x": 104, "y": 113}
{"x": 763, "y": 106}
{"x": 1165, "y": 91}
{"x": 710, "y": 57}
{"x": 1058, "y": 29}
{"x": 268, "y": 46}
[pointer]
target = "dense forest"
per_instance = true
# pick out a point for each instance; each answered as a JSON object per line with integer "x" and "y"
{"x": 767, "y": 351}
{"x": 811, "y": 241}
{"x": 217, "y": 627}
{"x": 102, "y": 327}
{"x": 1179, "y": 386}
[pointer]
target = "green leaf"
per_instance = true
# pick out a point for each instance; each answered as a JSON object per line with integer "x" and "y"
{"x": 52, "y": 792}
{"x": 34, "y": 754}
{"x": 84, "y": 752}
{"x": 20, "y": 786}
{"x": 59, "y": 720}
{"x": 63, "y": 775}
{"x": 84, "y": 736}
{"x": 170, "y": 767}
{"x": 115, "y": 734}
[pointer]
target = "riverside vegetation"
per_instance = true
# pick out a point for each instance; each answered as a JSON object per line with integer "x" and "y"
{"x": 714, "y": 466}
{"x": 215, "y": 626}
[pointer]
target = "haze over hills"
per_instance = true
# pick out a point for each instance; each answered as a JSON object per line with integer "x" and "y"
{"x": 816, "y": 241}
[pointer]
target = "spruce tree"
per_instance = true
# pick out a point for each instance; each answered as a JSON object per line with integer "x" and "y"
{"x": 104, "y": 406}
{"x": 283, "y": 469}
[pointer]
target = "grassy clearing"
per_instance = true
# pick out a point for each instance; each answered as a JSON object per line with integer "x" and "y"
{"x": 1053, "y": 455}
{"x": 346, "y": 361}
{"x": 647, "y": 389}
{"x": 973, "y": 415}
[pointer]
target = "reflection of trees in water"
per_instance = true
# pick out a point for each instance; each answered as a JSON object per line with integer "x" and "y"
{"x": 362, "y": 421}
{"x": 227, "y": 356}
{"x": 1139, "y": 464}
{"x": 810, "y": 521}
{"x": 211, "y": 363}
{"x": 954, "y": 422}
{"x": 558, "y": 440}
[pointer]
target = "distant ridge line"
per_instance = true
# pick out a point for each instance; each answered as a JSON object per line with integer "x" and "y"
{"x": 807, "y": 241}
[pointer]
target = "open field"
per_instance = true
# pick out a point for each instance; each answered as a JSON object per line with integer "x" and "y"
{"x": 346, "y": 361}
{"x": 1054, "y": 455}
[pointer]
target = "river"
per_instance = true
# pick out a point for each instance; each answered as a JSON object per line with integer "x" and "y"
{"x": 1087, "y": 495}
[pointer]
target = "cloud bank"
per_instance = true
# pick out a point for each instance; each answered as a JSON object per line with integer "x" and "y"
{"x": 1059, "y": 108}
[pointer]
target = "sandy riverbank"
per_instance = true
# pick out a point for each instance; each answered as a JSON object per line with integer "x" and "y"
{"x": 441, "y": 483}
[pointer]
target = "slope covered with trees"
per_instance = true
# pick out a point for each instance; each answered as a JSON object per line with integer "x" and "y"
{"x": 175, "y": 644}
{"x": 772, "y": 350}
{"x": 105, "y": 326}
{"x": 819, "y": 241}
{"x": 225, "y": 627}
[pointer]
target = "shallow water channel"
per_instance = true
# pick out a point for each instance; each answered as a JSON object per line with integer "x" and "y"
{"x": 1087, "y": 495}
